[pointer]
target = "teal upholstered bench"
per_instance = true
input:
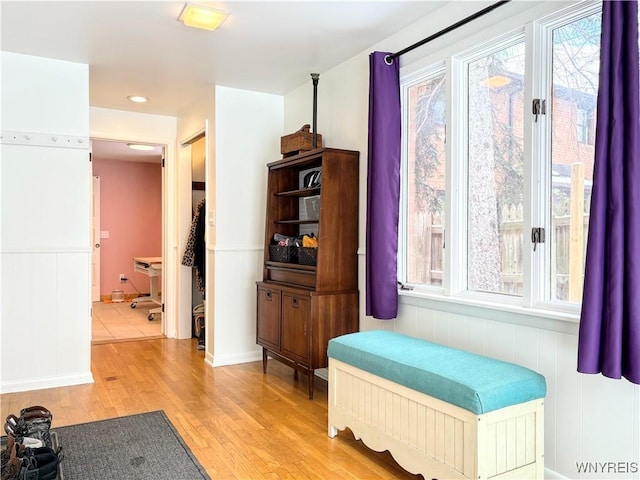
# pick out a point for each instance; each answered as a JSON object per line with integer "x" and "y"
{"x": 440, "y": 411}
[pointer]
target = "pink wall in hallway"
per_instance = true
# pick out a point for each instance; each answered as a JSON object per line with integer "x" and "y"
{"x": 131, "y": 211}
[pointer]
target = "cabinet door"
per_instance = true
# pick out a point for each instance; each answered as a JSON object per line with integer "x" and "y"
{"x": 268, "y": 327}
{"x": 295, "y": 326}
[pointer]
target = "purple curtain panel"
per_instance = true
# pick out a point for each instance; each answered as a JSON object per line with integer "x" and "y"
{"x": 609, "y": 336}
{"x": 383, "y": 188}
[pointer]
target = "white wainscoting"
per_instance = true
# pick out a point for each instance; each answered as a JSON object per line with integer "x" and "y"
{"x": 233, "y": 339}
{"x": 46, "y": 319}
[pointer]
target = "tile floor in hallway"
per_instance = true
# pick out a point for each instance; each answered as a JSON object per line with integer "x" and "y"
{"x": 118, "y": 321}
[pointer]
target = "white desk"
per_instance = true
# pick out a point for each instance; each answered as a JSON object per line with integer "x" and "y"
{"x": 151, "y": 266}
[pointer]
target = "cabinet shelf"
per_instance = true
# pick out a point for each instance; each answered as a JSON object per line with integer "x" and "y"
{"x": 297, "y": 222}
{"x": 295, "y": 266}
{"x": 303, "y": 192}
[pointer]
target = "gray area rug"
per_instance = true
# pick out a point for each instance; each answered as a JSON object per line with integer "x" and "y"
{"x": 140, "y": 447}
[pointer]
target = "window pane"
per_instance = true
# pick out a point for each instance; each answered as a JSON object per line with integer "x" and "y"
{"x": 576, "y": 55}
{"x": 426, "y": 181}
{"x": 495, "y": 178}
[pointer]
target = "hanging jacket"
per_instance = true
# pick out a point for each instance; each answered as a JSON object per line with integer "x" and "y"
{"x": 195, "y": 251}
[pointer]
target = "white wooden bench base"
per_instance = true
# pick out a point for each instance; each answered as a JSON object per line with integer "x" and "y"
{"x": 434, "y": 438}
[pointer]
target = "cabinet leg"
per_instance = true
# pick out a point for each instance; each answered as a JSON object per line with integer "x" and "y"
{"x": 311, "y": 378}
{"x": 295, "y": 374}
{"x": 264, "y": 360}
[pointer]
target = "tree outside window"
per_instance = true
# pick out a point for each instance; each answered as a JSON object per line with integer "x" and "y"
{"x": 426, "y": 181}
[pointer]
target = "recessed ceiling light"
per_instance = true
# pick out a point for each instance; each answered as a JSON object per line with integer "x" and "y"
{"x": 139, "y": 146}
{"x": 201, "y": 16}
{"x": 138, "y": 98}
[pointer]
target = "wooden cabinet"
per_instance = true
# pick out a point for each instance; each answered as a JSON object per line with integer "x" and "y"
{"x": 269, "y": 317}
{"x": 301, "y": 305}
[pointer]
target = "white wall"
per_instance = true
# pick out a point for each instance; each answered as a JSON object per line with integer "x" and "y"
{"x": 248, "y": 127}
{"x": 45, "y": 245}
{"x": 243, "y": 132}
{"x": 108, "y": 124}
{"x": 587, "y": 418}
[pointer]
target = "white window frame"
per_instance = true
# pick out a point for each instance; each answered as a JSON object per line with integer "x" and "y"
{"x": 405, "y": 84}
{"x": 536, "y": 297}
{"x": 542, "y": 39}
{"x": 460, "y": 120}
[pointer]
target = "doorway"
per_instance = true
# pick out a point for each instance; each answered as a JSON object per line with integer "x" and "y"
{"x": 128, "y": 240}
{"x": 194, "y": 150}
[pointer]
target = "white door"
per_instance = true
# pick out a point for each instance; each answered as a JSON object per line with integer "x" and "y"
{"x": 95, "y": 257}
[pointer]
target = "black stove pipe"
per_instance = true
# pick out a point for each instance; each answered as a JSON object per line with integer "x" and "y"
{"x": 315, "y": 77}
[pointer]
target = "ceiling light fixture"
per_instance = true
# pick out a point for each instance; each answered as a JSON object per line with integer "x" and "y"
{"x": 496, "y": 81}
{"x": 140, "y": 146}
{"x": 201, "y": 16}
{"x": 138, "y": 98}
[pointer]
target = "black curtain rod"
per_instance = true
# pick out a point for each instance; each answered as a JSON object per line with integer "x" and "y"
{"x": 464, "y": 21}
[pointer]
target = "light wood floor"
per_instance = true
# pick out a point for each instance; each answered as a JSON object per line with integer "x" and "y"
{"x": 239, "y": 423}
{"x": 115, "y": 322}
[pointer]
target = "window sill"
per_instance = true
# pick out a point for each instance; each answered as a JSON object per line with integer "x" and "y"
{"x": 546, "y": 319}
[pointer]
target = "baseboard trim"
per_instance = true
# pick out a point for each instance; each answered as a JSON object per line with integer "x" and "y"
{"x": 208, "y": 359}
{"x": 222, "y": 360}
{"x": 128, "y": 297}
{"x": 42, "y": 383}
{"x": 550, "y": 474}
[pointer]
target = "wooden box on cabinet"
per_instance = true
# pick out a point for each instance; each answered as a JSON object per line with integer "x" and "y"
{"x": 300, "y": 307}
{"x": 298, "y": 142}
